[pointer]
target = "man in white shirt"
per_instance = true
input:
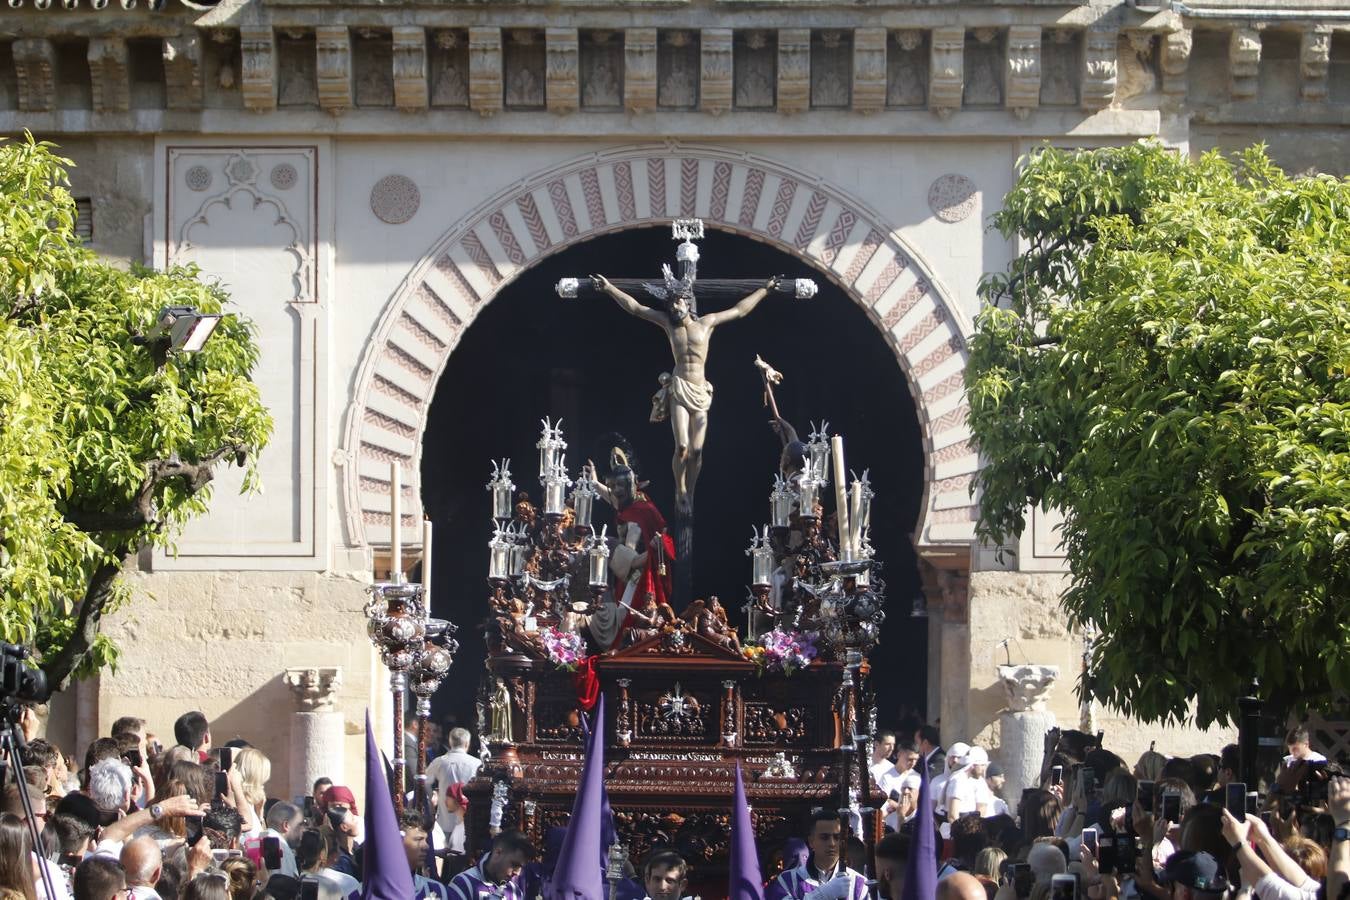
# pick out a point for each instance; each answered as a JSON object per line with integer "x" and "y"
{"x": 1300, "y": 749}
{"x": 956, "y": 759}
{"x": 143, "y": 863}
{"x": 455, "y": 767}
{"x": 966, "y": 791}
{"x": 883, "y": 771}
{"x": 995, "y": 779}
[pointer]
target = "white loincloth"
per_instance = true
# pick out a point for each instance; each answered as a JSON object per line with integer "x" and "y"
{"x": 693, "y": 397}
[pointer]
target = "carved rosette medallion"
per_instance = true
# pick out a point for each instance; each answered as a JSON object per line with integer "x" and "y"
{"x": 197, "y": 178}
{"x": 952, "y": 198}
{"x": 395, "y": 199}
{"x": 284, "y": 176}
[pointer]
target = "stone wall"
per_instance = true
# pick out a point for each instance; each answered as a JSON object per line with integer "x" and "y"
{"x": 221, "y": 642}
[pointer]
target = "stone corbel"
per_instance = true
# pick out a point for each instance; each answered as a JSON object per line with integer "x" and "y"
{"x": 333, "y": 69}
{"x": 1099, "y": 67}
{"x": 258, "y": 55}
{"x": 947, "y": 73}
{"x": 410, "y": 67}
{"x": 563, "y": 85}
{"x": 1314, "y": 58}
{"x": 485, "y": 70}
{"x": 639, "y": 69}
{"x": 108, "y": 78}
{"x": 794, "y": 70}
{"x": 869, "y": 69}
{"x": 1027, "y": 687}
{"x": 715, "y": 70}
{"x": 35, "y": 71}
{"x": 183, "y": 71}
{"x": 1176, "y": 58}
{"x": 1244, "y": 62}
{"x": 1024, "y": 69}
{"x": 314, "y": 689}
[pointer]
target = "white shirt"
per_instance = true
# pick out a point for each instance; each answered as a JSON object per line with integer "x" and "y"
{"x": 141, "y": 892}
{"x": 60, "y": 889}
{"x": 938, "y": 791}
{"x": 1273, "y": 887}
{"x": 971, "y": 793}
{"x": 455, "y": 767}
{"x": 344, "y": 882}
{"x": 903, "y": 780}
{"x": 883, "y": 774}
{"x": 1313, "y": 756}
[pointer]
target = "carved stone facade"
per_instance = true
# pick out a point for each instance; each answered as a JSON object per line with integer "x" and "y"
{"x": 366, "y": 177}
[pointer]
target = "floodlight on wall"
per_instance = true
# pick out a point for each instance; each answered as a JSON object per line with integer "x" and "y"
{"x": 181, "y": 328}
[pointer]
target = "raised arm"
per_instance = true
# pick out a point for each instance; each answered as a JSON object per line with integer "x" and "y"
{"x": 742, "y": 309}
{"x": 627, "y": 303}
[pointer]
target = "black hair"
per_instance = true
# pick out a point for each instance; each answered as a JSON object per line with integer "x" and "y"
{"x": 969, "y": 837}
{"x": 191, "y": 729}
{"x": 666, "y": 859}
{"x": 98, "y": 876}
{"x": 224, "y": 819}
{"x": 893, "y": 847}
{"x": 823, "y": 815}
{"x": 514, "y": 842}
{"x": 930, "y": 734}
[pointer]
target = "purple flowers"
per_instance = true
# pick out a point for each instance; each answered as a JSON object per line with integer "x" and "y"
{"x": 565, "y": 648}
{"x": 783, "y": 651}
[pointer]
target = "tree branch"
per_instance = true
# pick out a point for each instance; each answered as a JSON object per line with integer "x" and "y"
{"x": 141, "y": 510}
{"x": 96, "y": 598}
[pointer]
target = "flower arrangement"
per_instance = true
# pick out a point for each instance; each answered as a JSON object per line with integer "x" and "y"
{"x": 565, "y": 648}
{"x": 782, "y": 651}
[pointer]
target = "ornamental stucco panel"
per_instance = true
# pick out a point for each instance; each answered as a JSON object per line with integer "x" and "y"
{"x": 248, "y": 216}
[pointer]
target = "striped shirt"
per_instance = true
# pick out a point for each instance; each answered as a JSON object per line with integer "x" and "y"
{"x": 798, "y": 883}
{"x": 471, "y": 884}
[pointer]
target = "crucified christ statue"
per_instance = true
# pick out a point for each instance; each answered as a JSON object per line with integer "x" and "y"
{"x": 685, "y": 390}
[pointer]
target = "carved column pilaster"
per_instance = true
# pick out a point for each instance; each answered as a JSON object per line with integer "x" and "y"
{"x": 1176, "y": 58}
{"x": 485, "y": 70}
{"x": 258, "y": 57}
{"x": 1244, "y": 62}
{"x": 730, "y": 737}
{"x": 410, "y": 67}
{"x": 1023, "y": 76}
{"x": 333, "y": 68}
{"x": 623, "y": 716}
{"x": 794, "y": 70}
{"x": 869, "y": 69}
{"x": 1099, "y": 68}
{"x": 317, "y": 729}
{"x": 715, "y": 70}
{"x": 563, "y": 89}
{"x": 947, "y": 73}
{"x": 1314, "y": 58}
{"x": 639, "y": 69}
{"x": 1024, "y": 722}
{"x": 183, "y": 71}
{"x": 35, "y": 72}
{"x": 108, "y": 77}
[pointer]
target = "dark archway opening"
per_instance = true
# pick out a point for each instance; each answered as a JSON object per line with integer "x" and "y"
{"x": 530, "y": 354}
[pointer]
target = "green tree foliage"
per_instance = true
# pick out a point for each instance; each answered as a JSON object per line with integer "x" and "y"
{"x": 1168, "y": 363}
{"x": 103, "y": 450}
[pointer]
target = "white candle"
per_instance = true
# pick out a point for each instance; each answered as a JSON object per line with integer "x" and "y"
{"x": 841, "y": 496}
{"x": 395, "y": 521}
{"x": 426, "y": 563}
{"x": 855, "y": 516}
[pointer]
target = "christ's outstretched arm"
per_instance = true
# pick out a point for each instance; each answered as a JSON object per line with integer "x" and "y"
{"x": 628, "y": 304}
{"x": 743, "y": 308}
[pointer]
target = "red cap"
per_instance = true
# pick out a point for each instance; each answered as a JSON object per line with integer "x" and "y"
{"x": 340, "y": 794}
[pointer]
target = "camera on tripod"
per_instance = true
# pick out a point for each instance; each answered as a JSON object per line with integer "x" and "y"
{"x": 18, "y": 680}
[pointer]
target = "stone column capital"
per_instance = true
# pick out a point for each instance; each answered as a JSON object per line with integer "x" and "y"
{"x": 314, "y": 689}
{"x": 1027, "y": 686}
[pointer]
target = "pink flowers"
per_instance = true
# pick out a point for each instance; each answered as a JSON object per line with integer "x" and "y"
{"x": 783, "y": 651}
{"x": 565, "y": 648}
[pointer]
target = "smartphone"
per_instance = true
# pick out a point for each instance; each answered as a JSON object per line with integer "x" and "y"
{"x": 226, "y": 756}
{"x": 1064, "y": 887}
{"x": 222, "y": 784}
{"x": 1056, "y": 775}
{"x": 336, "y": 818}
{"x": 194, "y": 829}
{"x": 1090, "y": 840}
{"x": 309, "y": 890}
{"x": 1268, "y": 816}
{"x": 222, "y": 855}
{"x": 309, "y": 809}
{"x": 1253, "y": 803}
{"x": 1171, "y": 808}
{"x": 1087, "y": 781}
{"x": 133, "y": 758}
{"x": 1145, "y": 796}
{"x": 271, "y": 853}
{"x": 1235, "y": 799}
{"x": 1023, "y": 879}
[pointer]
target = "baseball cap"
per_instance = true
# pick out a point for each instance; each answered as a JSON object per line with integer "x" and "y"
{"x": 1196, "y": 870}
{"x": 994, "y": 771}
